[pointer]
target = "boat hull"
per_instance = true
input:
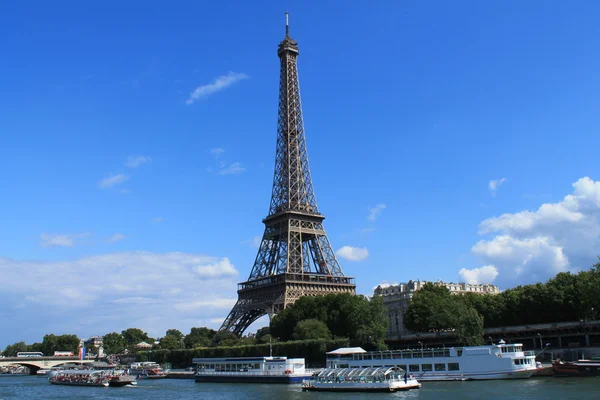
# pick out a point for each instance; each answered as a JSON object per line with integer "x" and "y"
{"x": 251, "y": 378}
{"x": 576, "y": 368}
{"x": 140, "y": 376}
{"x": 360, "y": 387}
{"x": 523, "y": 374}
{"x": 101, "y": 384}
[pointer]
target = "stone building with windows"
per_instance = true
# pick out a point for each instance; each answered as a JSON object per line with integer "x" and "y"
{"x": 396, "y": 298}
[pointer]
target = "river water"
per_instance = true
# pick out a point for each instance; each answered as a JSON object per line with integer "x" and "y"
{"x": 34, "y": 387}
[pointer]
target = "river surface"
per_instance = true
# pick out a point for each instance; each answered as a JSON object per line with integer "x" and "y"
{"x": 35, "y": 387}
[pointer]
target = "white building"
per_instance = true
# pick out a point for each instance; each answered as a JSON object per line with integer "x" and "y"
{"x": 396, "y": 298}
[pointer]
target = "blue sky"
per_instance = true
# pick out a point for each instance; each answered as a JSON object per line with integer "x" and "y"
{"x": 127, "y": 201}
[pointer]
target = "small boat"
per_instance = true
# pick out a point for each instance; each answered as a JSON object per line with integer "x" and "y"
{"x": 90, "y": 377}
{"x": 251, "y": 370}
{"x": 371, "y": 379}
{"x": 576, "y": 368}
{"x": 147, "y": 370}
{"x": 42, "y": 371}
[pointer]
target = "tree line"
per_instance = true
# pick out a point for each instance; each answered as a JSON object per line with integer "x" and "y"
{"x": 361, "y": 321}
{"x": 48, "y": 346}
{"x": 566, "y": 297}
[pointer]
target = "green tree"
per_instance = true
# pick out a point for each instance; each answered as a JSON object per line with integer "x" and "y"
{"x": 311, "y": 329}
{"x": 12, "y": 349}
{"x": 468, "y": 324}
{"x": 434, "y": 308}
{"x": 362, "y": 321}
{"x": 170, "y": 342}
{"x": 133, "y": 336}
{"x": 36, "y": 347}
{"x": 428, "y": 309}
{"x": 175, "y": 332}
{"x": 265, "y": 330}
{"x": 50, "y": 344}
{"x": 67, "y": 343}
{"x": 225, "y": 338}
{"x": 199, "y": 337}
{"x": 113, "y": 343}
{"x": 263, "y": 335}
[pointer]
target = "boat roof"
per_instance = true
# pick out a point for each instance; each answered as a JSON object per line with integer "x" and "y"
{"x": 78, "y": 371}
{"x": 355, "y": 372}
{"x": 246, "y": 359}
{"x": 347, "y": 350}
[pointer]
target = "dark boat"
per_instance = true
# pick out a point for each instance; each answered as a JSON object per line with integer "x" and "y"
{"x": 576, "y": 368}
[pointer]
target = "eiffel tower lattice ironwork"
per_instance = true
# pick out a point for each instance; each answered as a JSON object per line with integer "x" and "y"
{"x": 295, "y": 258}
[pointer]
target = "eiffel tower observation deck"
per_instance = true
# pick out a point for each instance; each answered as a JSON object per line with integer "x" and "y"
{"x": 295, "y": 258}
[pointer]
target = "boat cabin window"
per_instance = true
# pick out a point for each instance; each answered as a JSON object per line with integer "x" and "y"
{"x": 512, "y": 349}
{"x": 413, "y": 367}
{"x": 453, "y": 367}
{"x": 441, "y": 353}
{"x": 440, "y": 367}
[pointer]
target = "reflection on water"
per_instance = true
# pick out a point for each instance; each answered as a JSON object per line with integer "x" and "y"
{"x": 34, "y": 387}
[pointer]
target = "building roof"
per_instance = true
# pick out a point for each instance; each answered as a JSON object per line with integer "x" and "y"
{"x": 347, "y": 350}
{"x": 143, "y": 345}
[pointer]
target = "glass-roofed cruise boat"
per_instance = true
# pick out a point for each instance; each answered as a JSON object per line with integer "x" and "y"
{"x": 372, "y": 379}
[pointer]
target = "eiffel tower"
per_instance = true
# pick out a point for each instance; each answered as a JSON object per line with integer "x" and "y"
{"x": 295, "y": 258}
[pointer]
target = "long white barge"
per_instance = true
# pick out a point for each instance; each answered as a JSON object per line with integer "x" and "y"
{"x": 379, "y": 379}
{"x": 497, "y": 361}
{"x": 251, "y": 370}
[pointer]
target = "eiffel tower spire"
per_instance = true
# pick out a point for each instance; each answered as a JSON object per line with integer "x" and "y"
{"x": 295, "y": 257}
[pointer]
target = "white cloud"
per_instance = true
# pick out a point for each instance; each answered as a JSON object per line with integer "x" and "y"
{"x": 374, "y": 212}
{"x": 485, "y": 274}
{"x": 64, "y": 240}
{"x": 221, "y": 304}
{"x": 222, "y": 82}
{"x": 224, "y": 167}
{"x": 219, "y": 267}
{"x": 231, "y": 169}
{"x": 156, "y": 220}
{"x": 134, "y": 162}
{"x": 151, "y": 291}
{"x": 216, "y": 152}
{"x": 530, "y": 246}
{"x": 111, "y": 181}
{"x": 494, "y": 185}
{"x": 353, "y": 253}
{"x": 116, "y": 237}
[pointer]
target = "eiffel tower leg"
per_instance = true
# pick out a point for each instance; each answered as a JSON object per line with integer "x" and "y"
{"x": 241, "y": 317}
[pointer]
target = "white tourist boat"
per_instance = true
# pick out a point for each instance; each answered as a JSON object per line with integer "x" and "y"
{"x": 374, "y": 379}
{"x": 251, "y": 370}
{"x": 496, "y": 361}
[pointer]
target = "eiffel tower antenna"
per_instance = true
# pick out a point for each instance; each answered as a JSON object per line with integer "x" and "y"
{"x": 295, "y": 258}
